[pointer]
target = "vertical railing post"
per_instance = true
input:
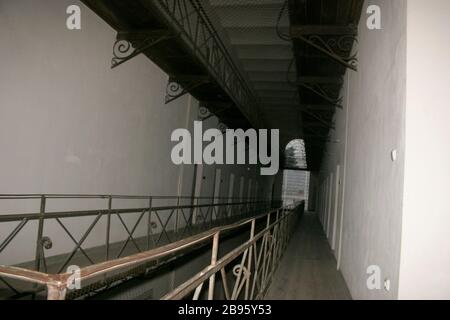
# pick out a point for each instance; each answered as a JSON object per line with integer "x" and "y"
{"x": 149, "y": 222}
{"x": 108, "y": 227}
{"x": 209, "y": 215}
{"x": 197, "y": 291}
{"x": 232, "y": 208}
{"x": 40, "y": 233}
{"x": 240, "y": 207}
{"x": 194, "y": 212}
{"x": 276, "y": 240}
{"x": 284, "y": 222}
{"x": 214, "y": 252}
{"x": 264, "y": 262}
{"x": 56, "y": 291}
{"x": 250, "y": 257}
{"x": 177, "y": 216}
{"x": 213, "y": 209}
{"x": 285, "y": 226}
{"x": 272, "y": 248}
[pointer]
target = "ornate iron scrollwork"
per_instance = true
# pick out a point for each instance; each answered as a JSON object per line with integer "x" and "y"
{"x": 46, "y": 243}
{"x": 222, "y": 127}
{"x": 175, "y": 90}
{"x": 130, "y": 44}
{"x": 338, "y": 48}
{"x": 122, "y": 50}
{"x": 319, "y": 90}
{"x": 203, "y": 113}
{"x": 239, "y": 269}
{"x": 320, "y": 119}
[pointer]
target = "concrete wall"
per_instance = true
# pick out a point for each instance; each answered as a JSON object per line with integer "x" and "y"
{"x": 363, "y": 221}
{"x": 426, "y": 215}
{"x": 70, "y": 124}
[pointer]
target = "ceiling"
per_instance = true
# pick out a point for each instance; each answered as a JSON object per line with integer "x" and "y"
{"x": 250, "y": 29}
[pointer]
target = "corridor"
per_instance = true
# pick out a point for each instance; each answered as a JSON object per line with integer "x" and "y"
{"x": 224, "y": 149}
{"x": 307, "y": 270}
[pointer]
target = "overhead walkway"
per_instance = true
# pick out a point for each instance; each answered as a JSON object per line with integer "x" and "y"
{"x": 308, "y": 269}
{"x": 246, "y": 62}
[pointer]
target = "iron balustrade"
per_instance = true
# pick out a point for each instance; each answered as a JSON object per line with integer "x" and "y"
{"x": 259, "y": 257}
{"x": 188, "y": 19}
{"x": 164, "y": 219}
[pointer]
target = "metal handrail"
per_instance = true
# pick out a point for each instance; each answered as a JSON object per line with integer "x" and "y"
{"x": 83, "y": 213}
{"x": 274, "y": 236}
{"x": 163, "y": 224}
{"x": 104, "y": 196}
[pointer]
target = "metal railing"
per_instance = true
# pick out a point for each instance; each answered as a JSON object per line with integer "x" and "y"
{"x": 259, "y": 257}
{"x": 257, "y": 260}
{"x": 155, "y": 222}
{"x": 189, "y": 19}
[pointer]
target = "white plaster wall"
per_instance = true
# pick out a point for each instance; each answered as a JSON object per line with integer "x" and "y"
{"x": 334, "y": 156}
{"x": 69, "y": 122}
{"x": 425, "y": 259}
{"x": 374, "y": 98}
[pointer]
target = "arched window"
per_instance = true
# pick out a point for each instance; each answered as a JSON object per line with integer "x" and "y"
{"x": 295, "y": 178}
{"x": 295, "y": 155}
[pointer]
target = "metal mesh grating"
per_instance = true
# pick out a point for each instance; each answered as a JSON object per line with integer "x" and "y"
{"x": 261, "y": 16}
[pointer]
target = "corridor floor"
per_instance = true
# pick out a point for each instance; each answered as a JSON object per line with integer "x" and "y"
{"x": 307, "y": 270}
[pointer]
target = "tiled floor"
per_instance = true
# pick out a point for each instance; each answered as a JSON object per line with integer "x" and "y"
{"x": 307, "y": 270}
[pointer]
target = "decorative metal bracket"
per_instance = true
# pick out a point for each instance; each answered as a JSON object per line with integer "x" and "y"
{"x": 175, "y": 90}
{"x": 129, "y": 44}
{"x": 338, "y": 48}
{"x": 47, "y": 243}
{"x": 222, "y": 127}
{"x": 319, "y": 90}
{"x": 204, "y": 113}
{"x": 320, "y": 119}
{"x": 219, "y": 107}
